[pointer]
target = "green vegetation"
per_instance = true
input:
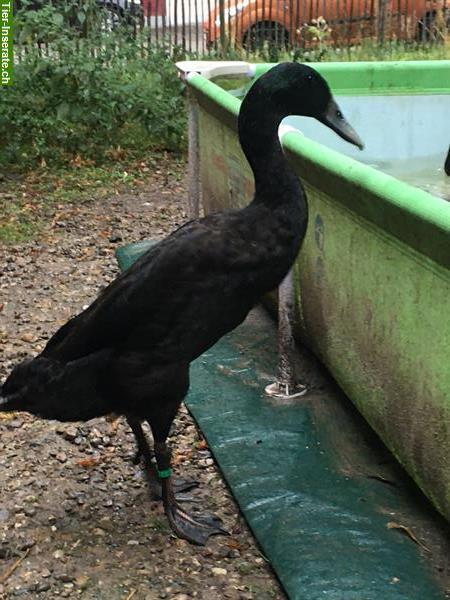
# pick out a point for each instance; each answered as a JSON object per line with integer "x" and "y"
{"x": 86, "y": 94}
{"x": 91, "y": 113}
{"x": 369, "y": 50}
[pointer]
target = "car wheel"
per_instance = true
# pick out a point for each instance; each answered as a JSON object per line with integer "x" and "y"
{"x": 266, "y": 34}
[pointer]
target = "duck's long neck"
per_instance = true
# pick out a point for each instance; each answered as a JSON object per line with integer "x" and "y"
{"x": 275, "y": 180}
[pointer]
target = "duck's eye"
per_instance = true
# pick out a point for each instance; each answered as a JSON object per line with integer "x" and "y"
{"x": 339, "y": 114}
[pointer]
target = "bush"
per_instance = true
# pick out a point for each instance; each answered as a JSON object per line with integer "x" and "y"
{"x": 87, "y": 93}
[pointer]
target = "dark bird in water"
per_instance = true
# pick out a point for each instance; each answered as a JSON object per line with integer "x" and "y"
{"x": 447, "y": 163}
{"x": 129, "y": 352}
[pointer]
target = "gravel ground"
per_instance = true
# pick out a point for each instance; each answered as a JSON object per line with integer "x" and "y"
{"x": 76, "y": 518}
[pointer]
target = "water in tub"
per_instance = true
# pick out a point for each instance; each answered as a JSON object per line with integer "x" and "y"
{"x": 405, "y": 136}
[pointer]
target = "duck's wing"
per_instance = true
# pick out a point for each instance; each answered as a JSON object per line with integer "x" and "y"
{"x": 90, "y": 331}
{"x": 174, "y": 291}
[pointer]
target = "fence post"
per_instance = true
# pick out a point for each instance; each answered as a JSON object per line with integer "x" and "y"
{"x": 223, "y": 36}
{"x": 382, "y": 18}
{"x": 193, "y": 158}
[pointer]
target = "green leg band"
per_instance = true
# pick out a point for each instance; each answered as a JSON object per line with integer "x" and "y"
{"x": 165, "y": 474}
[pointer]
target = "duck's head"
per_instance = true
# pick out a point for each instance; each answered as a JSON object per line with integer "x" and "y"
{"x": 25, "y": 387}
{"x": 296, "y": 89}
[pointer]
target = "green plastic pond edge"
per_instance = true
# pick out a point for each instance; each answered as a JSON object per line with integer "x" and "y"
{"x": 414, "y": 216}
{"x": 398, "y": 208}
{"x": 382, "y": 78}
{"x": 324, "y": 532}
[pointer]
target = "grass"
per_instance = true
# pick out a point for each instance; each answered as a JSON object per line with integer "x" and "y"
{"x": 368, "y": 50}
{"x": 17, "y": 225}
{"x": 28, "y": 200}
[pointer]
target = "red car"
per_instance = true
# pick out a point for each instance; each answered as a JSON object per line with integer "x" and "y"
{"x": 251, "y": 23}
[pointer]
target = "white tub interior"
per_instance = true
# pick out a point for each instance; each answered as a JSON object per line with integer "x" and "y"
{"x": 405, "y": 136}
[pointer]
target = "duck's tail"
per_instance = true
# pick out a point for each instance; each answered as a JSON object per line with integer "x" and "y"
{"x": 54, "y": 390}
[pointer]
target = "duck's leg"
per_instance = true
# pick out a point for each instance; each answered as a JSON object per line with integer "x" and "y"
{"x": 196, "y": 529}
{"x": 144, "y": 452}
{"x": 143, "y": 448}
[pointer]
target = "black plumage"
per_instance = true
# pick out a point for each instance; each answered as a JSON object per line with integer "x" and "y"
{"x": 129, "y": 352}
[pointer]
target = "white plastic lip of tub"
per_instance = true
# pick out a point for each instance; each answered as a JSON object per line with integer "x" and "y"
{"x": 214, "y": 68}
{"x": 284, "y": 129}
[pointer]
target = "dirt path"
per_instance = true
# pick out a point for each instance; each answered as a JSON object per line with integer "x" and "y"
{"x": 76, "y": 519}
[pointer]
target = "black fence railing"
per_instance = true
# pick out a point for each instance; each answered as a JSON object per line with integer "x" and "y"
{"x": 219, "y": 26}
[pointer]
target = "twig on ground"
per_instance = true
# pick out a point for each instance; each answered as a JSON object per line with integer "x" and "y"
{"x": 13, "y": 567}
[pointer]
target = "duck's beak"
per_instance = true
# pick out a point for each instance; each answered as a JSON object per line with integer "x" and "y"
{"x": 334, "y": 119}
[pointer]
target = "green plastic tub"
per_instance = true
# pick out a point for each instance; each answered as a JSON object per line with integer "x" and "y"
{"x": 373, "y": 276}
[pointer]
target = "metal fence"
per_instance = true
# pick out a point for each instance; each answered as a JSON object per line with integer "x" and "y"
{"x": 221, "y": 26}
{"x": 205, "y": 25}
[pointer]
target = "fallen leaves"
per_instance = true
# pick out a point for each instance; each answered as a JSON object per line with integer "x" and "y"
{"x": 233, "y": 544}
{"x": 90, "y": 462}
{"x": 202, "y": 445}
{"x": 93, "y": 461}
{"x": 181, "y": 457}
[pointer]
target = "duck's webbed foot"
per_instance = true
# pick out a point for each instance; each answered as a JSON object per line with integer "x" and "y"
{"x": 196, "y": 529}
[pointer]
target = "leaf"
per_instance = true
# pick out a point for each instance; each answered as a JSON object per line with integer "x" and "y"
{"x": 89, "y": 462}
{"x": 58, "y": 19}
{"x": 180, "y": 457}
{"x": 81, "y": 16}
{"x": 407, "y": 531}
{"x": 40, "y": 67}
{"x": 63, "y": 110}
{"x": 234, "y": 544}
